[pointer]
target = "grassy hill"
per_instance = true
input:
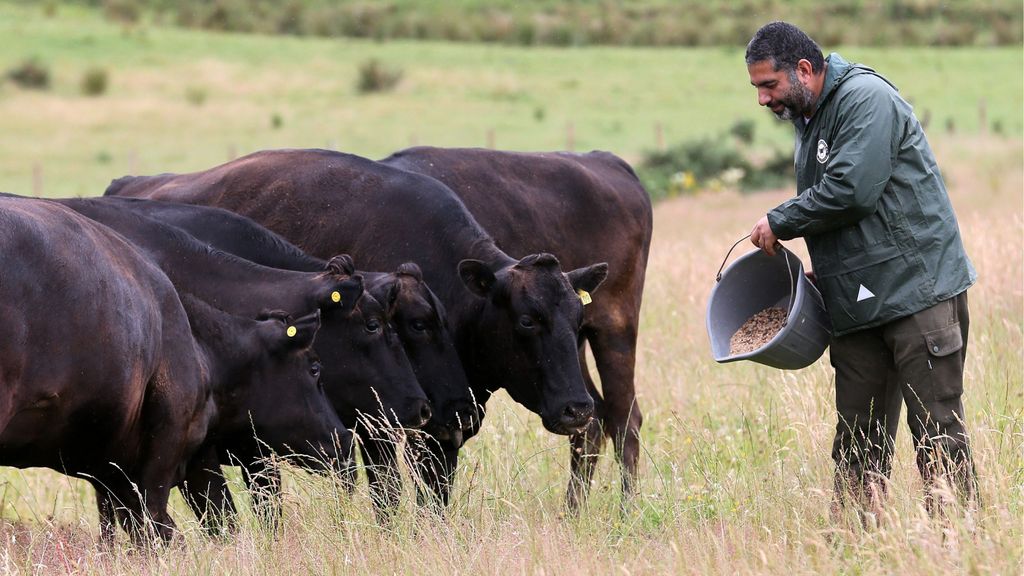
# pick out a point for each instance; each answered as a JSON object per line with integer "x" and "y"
{"x": 182, "y": 100}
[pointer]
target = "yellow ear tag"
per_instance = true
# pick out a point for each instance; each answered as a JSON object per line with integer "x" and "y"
{"x": 336, "y": 296}
{"x": 291, "y": 331}
{"x": 585, "y": 297}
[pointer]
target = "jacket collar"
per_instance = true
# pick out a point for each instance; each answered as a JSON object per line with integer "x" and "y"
{"x": 837, "y": 71}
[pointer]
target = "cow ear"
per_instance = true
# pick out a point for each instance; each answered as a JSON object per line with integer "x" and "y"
{"x": 341, "y": 265}
{"x": 282, "y": 332}
{"x": 299, "y": 333}
{"x": 477, "y": 277}
{"x": 279, "y": 315}
{"x": 342, "y": 294}
{"x": 410, "y": 269}
{"x": 589, "y": 278}
{"x": 440, "y": 314}
{"x": 392, "y": 296}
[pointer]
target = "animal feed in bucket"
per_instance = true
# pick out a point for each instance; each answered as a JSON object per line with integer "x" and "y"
{"x": 758, "y": 330}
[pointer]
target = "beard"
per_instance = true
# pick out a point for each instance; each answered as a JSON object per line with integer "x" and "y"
{"x": 797, "y": 101}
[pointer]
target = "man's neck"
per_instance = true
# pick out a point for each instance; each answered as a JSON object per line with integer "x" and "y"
{"x": 817, "y": 87}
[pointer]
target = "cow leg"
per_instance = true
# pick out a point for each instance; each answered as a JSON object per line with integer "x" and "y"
{"x": 586, "y": 445}
{"x": 140, "y": 509}
{"x": 117, "y": 504}
{"x": 156, "y": 500}
{"x": 434, "y": 464}
{"x": 263, "y": 479}
{"x": 106, "y": 506}
{"x": 615, "y": 353}
{"x": 207, "y": 493}
{"x": 383, "y": 476}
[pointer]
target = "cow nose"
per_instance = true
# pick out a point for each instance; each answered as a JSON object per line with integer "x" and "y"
{"x": 418, "y": 415}
{"x": 576, "y": 414}
{"x": 425, "y": 413}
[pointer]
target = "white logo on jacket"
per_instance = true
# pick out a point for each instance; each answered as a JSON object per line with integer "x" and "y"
{"x": 864, "y": 293}
{"x": 822, "y": 152}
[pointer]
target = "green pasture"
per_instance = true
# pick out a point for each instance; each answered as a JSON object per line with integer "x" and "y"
{"x": 181, "y": 100}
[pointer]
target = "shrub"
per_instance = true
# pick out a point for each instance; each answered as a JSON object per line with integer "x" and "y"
{"x": 375, "y": 77}
{"x": 195, "y": 95}
{"x": 743, "y": 130}
{"x": 687, "y": 165}
{"x": 94, "y": 82}
{"x": 713, "y": 163}
{"x": 123, "y": 11}
{"x": 31, "y": 73}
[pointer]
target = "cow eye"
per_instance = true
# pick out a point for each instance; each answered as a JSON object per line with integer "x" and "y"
{"x": 373, "y": 325}
{"x": 419, "y": 325}
{"x": 314, "y": 370}
{"x": 526, "y": 321}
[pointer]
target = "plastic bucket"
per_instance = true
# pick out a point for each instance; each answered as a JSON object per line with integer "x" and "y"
{"x": 757, "y": 281}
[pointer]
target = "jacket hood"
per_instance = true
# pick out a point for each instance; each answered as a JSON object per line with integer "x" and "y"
{"x": 837, "y": 71}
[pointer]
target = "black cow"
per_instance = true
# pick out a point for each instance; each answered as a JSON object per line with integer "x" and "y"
{"x": 267, "y": 391}
{"x": 98, "y": 369}
{"x": 582, "y": 208}
{"x": 417, "y": 314}
{"x": 516, "y": 328}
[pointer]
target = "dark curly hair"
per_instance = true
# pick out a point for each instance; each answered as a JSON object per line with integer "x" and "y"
{"x": 784, "y": 45}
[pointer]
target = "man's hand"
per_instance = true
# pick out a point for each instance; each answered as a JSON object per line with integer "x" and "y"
{"x": 763, "y": 237}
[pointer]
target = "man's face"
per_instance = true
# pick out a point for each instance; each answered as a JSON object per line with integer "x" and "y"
{"x": 784, "y": 92}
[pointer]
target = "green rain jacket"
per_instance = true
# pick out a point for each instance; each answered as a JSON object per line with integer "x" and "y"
{"x": 872, "y": 207}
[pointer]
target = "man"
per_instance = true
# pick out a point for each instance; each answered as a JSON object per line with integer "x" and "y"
{"x": 887, "y": 256}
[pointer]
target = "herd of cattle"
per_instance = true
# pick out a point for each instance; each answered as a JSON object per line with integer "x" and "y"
{"x": 184, "y": 322}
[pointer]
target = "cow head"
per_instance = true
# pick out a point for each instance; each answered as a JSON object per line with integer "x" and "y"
{"x": 368, "y": 374}
{"x": 527, "y": 339}
{"x": 421, "y": 322}
{"x": 286, "y": 405}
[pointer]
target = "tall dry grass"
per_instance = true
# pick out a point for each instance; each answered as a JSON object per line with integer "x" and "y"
{"x": 735, "y": 471}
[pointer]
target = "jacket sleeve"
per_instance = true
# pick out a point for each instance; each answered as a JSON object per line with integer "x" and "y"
{"x": 858, "y": 170}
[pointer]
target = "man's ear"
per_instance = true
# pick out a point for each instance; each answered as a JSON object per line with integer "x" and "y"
{"x": 804, "y": 70}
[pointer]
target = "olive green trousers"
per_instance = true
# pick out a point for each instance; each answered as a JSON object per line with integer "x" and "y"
{"x": 917, "y": 361}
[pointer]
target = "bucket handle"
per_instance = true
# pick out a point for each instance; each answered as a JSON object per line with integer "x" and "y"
{"x": 789, "y": 267}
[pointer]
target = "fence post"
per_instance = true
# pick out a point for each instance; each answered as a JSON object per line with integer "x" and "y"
{"x": 982, "y": 116}
{"x": 490, "y": 138}
{"x": 570, "y": 136}
{"x": 659, "y": 136}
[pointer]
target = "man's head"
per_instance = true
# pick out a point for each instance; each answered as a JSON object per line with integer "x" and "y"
{"x": 787, "y": 69}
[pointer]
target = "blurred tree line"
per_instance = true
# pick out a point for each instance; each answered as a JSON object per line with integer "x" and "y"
{"x": 595, "y": 22}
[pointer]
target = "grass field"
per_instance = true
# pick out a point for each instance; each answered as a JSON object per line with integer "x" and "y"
{"x": 735, "y": 471}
